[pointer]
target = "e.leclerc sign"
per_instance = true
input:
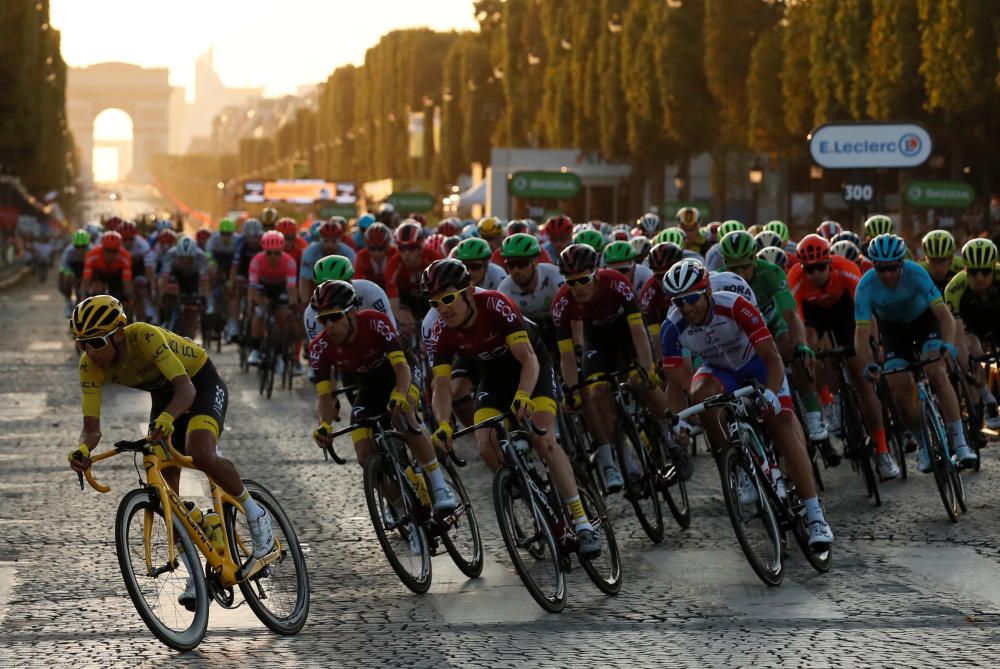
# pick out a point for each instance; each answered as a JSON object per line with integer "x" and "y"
{"x": 869, "y": 145}
{"x": 551, "y": 185}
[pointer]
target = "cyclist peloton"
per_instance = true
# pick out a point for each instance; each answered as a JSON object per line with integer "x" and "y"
{"x": 271, "y": 286}
{"x": 189, "y": 402}
{"x": 109, "y": 265}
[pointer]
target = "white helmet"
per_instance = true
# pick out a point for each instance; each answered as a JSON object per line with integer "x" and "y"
{"x": 774, "y": 255}
{"x": 685, "y": 276}
{"x": 186, "y": 247}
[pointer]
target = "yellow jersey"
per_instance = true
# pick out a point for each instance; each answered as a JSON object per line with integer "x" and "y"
{"x": 154, "y": 357}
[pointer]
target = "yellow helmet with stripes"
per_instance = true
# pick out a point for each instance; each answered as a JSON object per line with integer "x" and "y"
{"x": 96, "y": 316}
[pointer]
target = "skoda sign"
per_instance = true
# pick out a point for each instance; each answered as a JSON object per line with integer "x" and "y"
{"x": 545, "y": 185}
{"x": 869, "y": 145}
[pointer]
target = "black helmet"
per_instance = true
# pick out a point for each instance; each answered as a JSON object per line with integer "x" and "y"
{"x": 334, "y": 296}
{"x": 577, "y": 258}
{"x": 441, "y": 275}
{"x": 663, "y": 256}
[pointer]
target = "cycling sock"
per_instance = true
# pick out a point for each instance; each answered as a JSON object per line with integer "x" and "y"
{"x": 986, "y": 395}
{"x": 811, "y": 400}
{"x": 432, "y": 470}
{"x": 179, "y": 550}
{"x": 825, "y": 395}
{"x": 813, "y": 510}
{"x": 250, "y": 506}
{"x": 880, "y": 445}
{"x": 604, "y": 456}
{"x": 579, "y": 516}
{"x": 957, "y": 434}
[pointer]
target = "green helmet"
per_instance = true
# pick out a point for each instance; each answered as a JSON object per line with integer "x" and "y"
{"x": 81, "y": 238}
{"x": 618, "y": 252}
{"x": 472, "y": 249}
{"x": 938, "y": 244}
{"x": 226, "y": 226}
{"x": 879, "y": 225}
{"x": 591, "y": 238}
{"x": 780, "y": 228}
{"x": 332, "y": 268}
{"x": 730, "y": 226}
{"x": 979, "y": 254}
{"x": 673, "y": 235}
{"x": 520, "y": 245}
{"x": 737, "y": 247}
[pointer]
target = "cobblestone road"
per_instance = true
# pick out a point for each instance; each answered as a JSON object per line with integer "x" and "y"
{"x": 908, "y": 588}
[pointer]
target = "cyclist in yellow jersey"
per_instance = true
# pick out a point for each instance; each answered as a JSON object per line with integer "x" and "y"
{"x": 189, "y": 400}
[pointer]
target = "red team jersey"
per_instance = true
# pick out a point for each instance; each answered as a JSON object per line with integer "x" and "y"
{"x": 844, "y": 277}
{"x": 653, "y": 300}
{"x": 404, "y": 280}
{"x": 497, "y": 326}
{"x": 375, "y": 340}
{"x": 95, "y": 266}
{"x": 263, "y": 273}
{"x": 366, "y": 268}
{"x": 615, "y": 299}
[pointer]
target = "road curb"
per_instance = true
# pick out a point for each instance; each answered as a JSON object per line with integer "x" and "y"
{"x": 15, "y": 279}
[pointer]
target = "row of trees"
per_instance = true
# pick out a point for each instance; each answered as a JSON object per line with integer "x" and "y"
{"x": 650, "y": 82}
{"x": 35, "y": 142}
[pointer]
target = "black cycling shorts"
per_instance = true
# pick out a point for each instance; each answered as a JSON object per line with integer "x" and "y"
{"x": 500, "y": 379}
{"x": 905, "y": 342}
{"x": 837, "y": 320}
{"x": 277, "y": 293}
{"x": 208, "y": 409}
{"x": 607, "y": 348}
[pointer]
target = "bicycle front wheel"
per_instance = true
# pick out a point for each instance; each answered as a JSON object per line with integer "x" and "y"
{"x": 751, "y": 514}
{"x": 403, "y": 541}
{"x": 530, "y": 542}
{"x": 155, "y": 592}
{"x": 605, "y": 570}
{"x": 462, "y": 540}
{"x": 279, "y": 593}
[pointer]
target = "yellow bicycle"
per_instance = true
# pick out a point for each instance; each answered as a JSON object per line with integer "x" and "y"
{"x": 156, "y": 534}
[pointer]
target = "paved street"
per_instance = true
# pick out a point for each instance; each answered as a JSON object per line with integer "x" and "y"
{"x": 907, "y": 588}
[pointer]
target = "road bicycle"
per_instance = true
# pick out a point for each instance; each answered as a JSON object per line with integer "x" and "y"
{"x": 763, "y": 504}
{"x": 156, "y": 537}
{"x": 535, "y": 525}
{"x": 399, "y": 504}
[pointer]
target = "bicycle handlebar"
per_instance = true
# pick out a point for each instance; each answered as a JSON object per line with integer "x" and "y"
{"x": 138, "y": 445}
{"x": 713, "y": 401}
{"x": 913, "y": 366}
{"x": 527, "y": 427}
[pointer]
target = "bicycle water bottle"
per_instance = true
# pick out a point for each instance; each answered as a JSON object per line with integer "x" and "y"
{"x": 193, "y": 513}
{"x": 211, "y": 523}
{"x": 779, "y": 482}
{"x": 416, "y": 478}
{"x": 524, "y": 451}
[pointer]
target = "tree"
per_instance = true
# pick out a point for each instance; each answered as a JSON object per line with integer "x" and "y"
{"x": 768, "y": 132}
{"x": 894, "y": 86}
{"x": 839, "y": 58}
{"x": 612, "y": 108}
{"x": 796, "y": 90}
{"x": 556, "y": 113}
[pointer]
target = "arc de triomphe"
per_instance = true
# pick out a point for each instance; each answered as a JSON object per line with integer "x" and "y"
{"x": 143, "y": 94}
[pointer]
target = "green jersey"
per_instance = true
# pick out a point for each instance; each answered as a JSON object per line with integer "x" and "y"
{"x": 770, "y": 285}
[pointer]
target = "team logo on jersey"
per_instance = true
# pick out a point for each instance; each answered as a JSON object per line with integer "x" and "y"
{"x": 503, "y": 308}
{"x": 383, "y": 329}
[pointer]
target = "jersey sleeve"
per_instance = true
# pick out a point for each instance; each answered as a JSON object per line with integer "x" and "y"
{"x": 291, "y": 273}
{"x": 671, "y": 351}
{"x": 346, "y": 251}
{"x": 319, "y": 364}
{"x": 91, "y": 380}
{"x": 126, "y": 259}
{"x": 782, "y": 294}
{"x": 954, "y": 291}
{"x": 862, "y": 301}
{"x": 440, "y": 348}
{"x": 748, "y": 317}
{"x": 925, "y": 285}
{"x": 308, "y": 260}
{"x": 254, "y": 271}
{"x": 562, "y": 314}
{"x": 508, "y": 316}
{"x": 154, "y": 346}
{"x": 88, "y": 265}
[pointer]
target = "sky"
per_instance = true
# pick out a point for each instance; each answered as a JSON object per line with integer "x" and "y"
{"x": 278, "y": 45}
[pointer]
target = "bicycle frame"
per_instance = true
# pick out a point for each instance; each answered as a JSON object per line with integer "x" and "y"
{"x": 222, "y": 564}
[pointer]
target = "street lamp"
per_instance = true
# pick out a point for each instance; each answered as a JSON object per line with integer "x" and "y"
{"x": 756, "y": 176}
{"x": 680, "y": 183}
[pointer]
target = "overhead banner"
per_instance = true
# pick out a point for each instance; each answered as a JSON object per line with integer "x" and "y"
{"x": 546, "y": 185}
{"x": 411, "y": 202}
{"x": 300, "y": 191}
{"x": 842, "y": 146}
{"x": 946, "y": 194}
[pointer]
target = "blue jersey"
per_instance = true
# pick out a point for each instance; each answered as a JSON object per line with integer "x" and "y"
{"x": 315, "y": 251}
{"x": 914, "y": 294}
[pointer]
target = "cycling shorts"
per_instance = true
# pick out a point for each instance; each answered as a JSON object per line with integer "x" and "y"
{"x": 732, "y": 380}
{"x": 837, "y": 320}
{"x": 902, "y": 341}
{"x": 277, "y": 293}
{"x": 207, "y": 411}
{"x": 466, "y": 367}
{"x": 607, "y": 349}
{"x": 373, "y": 390}
{"x": 500, "y": 379}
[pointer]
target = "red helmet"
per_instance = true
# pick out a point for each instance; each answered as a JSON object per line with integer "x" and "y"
{"x": 377, "y": 234}
{"x": 272, "y": 241}
{"x": 167, "y": 237}
{"x": 203, "y": 234}
{"x": 113, "y": 224}
{"x": 829, "y": 229}
{"x": 287, "y": 226}
{"x": 330, "y": 229}
{"x": 128, "y": 230}
{"x": 408, "y": 233}
{"x": 620, "y": 235}
{"x": 435, "y": 242}
{"x": 111, "y": 241}
{"x": 559, "y": 226}
{"x": 813, "y": 249}
{"x": 449, "y": 227}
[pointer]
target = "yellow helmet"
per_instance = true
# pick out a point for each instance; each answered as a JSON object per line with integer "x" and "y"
{"x": 96, "y": 316}
{"x": 490, "y": 227}
{"x": 688, "y": 218}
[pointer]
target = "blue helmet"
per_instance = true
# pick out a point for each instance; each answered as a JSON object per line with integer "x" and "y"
{"x": 470, "y": 230}
{"x": 364, "y": 220}
{"x": 886, "y": 248}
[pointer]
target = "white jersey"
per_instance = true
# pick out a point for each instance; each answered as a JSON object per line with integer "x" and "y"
{"x": 713, "y": 259}
{"x": 140, "y": 247}
{"x": 640, "y": 275}
{"x": 725, "y": 341}
{"x": 730, "y": 282}
{"x": 427, "y": 325}
{"x": 372, "y": 297}
{"x": 494, "y": 275}
{"x": 536, "y": 303}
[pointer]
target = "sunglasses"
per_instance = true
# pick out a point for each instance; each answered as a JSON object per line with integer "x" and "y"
{"x": 738, "y": 268}
{"x": 376, "y": 249}
{"x": 888, "y": 268}
{"x": 580, "y": 280}
{"x": 624, "y": 269}
{"x": 518, "y": 263}
{"x": 444, "y": 300}
{"x": 331, "y": 317}
{"x": 273, "y": 253}
{"x": 475, "y": 265}
{"x": 409, "y": 247}
{"x": 979, "y": 271}
{"x": 96, "y": 342}
{"x": 815, "y": 267}
{"x": 688, "y": 299}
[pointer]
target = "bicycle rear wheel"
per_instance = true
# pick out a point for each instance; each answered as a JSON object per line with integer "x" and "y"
{"x": 642, "y": 493}
{"x": 753, "y": 519}
{"x": 972, "y": 419}
{"x": 279, "y": 593}
{"x": 462, "y": 540}
{"x": 155, "y": 595}
{"x": 858, "y": 442}
{"x": 946, "y": 482}
{"x": 671, "y": 485}
{"x": 530, "y": 542}
{"x": 606, "y": 569}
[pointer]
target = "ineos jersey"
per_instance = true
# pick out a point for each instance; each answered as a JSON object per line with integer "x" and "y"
{"x": 427, "y": 325}
{"x": 536, "y": 302}
{"x": 371, "y": 296}
{"x": 725, "y": 341}
{"x": 498, "y": 326}
{"x": 375, "y": 339}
